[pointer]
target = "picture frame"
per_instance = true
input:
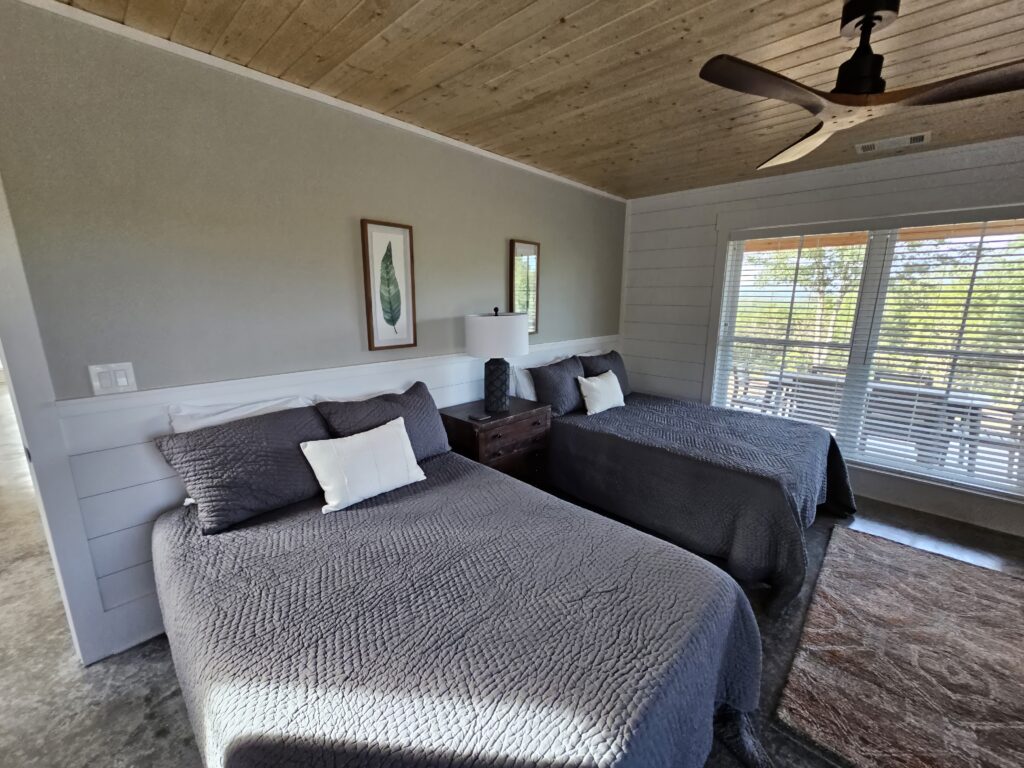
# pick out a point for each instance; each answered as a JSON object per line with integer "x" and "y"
{"x": 389, "y": 283}
{"x": 524, "y": 280}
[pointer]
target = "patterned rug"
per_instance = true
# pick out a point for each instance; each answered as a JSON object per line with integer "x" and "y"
{"x": 910, "y": 659}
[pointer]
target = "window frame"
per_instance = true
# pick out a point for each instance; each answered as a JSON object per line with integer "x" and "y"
{"x": 868, "y": 317}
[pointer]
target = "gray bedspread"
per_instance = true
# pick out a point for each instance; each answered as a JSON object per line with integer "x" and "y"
{"x": 737, "y": 486}
{"x": 467, "y": 620}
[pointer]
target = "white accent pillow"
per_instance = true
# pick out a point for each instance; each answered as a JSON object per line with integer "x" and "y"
{"x": 187, "y": 418}
{"x": 351, "y": 469}
{"x": 524, "y": 383}
{"x": 601, "y": 392}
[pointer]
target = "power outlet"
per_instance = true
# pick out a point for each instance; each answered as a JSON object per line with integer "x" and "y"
{"x": 112, "y": 378}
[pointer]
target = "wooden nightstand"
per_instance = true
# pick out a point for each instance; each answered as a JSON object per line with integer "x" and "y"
{"x": 514, "y": 443}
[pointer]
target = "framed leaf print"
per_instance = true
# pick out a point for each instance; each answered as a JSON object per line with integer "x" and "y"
{"x": 524, "y": 280}
{"x": 390, "y": 285}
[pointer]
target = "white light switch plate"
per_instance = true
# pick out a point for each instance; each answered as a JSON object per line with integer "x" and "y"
{"x": 111, "y": 378}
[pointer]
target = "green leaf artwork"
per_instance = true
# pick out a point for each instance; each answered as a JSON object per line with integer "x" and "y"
{"x": 390, "y": 295}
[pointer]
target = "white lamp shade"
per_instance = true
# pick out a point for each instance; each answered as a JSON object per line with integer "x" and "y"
{"x": 503, "y": 335}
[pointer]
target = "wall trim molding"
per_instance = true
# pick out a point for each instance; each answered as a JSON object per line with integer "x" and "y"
{"x": 299, "y": 382}
{"x": 138, "y": 36}
{"x": 624, "y": 279}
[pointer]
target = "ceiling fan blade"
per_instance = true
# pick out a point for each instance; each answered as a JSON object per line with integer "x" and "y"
{"x": 795, "y": 151}
{"x": 985, "y": 82}
{"x": 742, "y": 76}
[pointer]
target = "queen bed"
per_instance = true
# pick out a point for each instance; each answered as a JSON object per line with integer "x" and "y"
{"x": 464, "y": 620}
{"x": 735, "y": 486}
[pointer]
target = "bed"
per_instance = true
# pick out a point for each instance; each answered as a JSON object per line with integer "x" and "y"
{"x": 736, "y": 486}
{"x": 465, "y": 620}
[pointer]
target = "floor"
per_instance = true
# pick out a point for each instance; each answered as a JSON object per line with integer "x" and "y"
{"x": 127, "y": 711}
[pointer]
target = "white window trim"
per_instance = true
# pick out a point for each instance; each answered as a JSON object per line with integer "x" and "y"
{"x": 878, "y": 255}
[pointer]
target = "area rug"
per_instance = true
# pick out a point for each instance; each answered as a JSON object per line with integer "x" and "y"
{"x": 910, "y": 659}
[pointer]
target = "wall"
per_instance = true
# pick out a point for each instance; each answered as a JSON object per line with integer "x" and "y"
{"x": 676, "y": 246}
{"x": 163, "y": 208}
{"x": 205, "y": 226}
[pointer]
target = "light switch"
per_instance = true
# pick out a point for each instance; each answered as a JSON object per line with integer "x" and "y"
{"x": 112, "y": 378}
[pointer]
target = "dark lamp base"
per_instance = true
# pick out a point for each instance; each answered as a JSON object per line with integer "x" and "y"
{"x": 496, "y": 373}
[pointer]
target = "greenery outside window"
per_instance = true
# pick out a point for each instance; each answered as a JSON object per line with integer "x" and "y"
{"x": 908, "y": 345}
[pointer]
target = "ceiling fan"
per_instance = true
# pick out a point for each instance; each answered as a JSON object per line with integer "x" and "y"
{"x": 859, "y": 94}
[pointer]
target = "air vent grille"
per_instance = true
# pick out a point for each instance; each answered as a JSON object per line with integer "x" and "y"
{"x": 893, "y": 144}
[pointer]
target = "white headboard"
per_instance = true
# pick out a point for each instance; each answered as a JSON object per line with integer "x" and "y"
{"x": 124, "y": 484}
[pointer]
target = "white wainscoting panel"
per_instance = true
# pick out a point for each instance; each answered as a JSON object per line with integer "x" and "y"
{"x": 676, "y": 242}
{"x": 124, "y": 484}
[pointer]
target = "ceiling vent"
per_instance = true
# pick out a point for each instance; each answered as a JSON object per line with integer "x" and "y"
{"x": 891, "y": 145}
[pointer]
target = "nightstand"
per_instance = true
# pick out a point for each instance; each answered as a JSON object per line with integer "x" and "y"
{"x": 513, "y": 443}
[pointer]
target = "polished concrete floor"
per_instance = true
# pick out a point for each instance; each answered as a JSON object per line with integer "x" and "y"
{"x": 127, "y": 711}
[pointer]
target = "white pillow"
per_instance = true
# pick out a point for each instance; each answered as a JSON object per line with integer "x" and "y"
{"x": 524, "y": 383}
{"x": 361, "y": 466}
{"x": 601, "y": 392}
{"x": 186, "y": 418}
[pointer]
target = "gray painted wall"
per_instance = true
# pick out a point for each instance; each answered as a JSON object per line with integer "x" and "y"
{"x": 206, "y": 227}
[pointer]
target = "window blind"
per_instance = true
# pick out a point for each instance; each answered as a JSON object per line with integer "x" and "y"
{"x": 907, "y": 344}
{"x": 787, "y": 331}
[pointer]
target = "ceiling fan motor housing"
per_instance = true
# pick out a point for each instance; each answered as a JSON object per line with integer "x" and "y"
{"x": 859, "y": 95}
{"x": 882, "y": 12}
{"x": 862, "y": 73}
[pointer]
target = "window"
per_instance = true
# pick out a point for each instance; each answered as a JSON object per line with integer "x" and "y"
{"x": 908, "y": 345}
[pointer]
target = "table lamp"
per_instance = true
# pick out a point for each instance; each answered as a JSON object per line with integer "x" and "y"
{"x": 494, "y": 337}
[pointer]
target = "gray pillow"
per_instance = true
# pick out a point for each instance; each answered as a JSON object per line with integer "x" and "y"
{"x": 595, "y": 365}
{"x": 556, "y": 385}
{"x": 415, "y": 405}
{"x": 241, "y": 469}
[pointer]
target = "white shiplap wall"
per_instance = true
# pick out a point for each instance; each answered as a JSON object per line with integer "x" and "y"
{"x": 676, "y": 242}
{"x": 675, "y": 262}
{"x": 123, "y": 483}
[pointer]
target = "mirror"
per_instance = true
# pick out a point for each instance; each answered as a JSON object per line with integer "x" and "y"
{"x": 524, "y": 279}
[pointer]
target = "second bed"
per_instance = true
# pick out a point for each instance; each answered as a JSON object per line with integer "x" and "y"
{"x": 735, "y": 486}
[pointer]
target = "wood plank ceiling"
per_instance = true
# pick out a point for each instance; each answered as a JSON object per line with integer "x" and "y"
{"x": 602, "y": 91}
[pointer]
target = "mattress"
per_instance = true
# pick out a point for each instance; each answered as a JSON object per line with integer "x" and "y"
{"x": 737, "y": 486}
{"x": 466, "y": 620}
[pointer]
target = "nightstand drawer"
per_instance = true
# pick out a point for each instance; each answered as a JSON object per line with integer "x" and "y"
{"x": 509, "y": 446}
{"x": 513, "y": 436}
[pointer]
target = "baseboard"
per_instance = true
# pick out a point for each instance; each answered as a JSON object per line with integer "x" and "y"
{"x": 996, "y": 513}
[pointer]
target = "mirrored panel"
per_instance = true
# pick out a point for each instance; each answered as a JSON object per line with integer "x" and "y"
{"x": 524, "y": 279}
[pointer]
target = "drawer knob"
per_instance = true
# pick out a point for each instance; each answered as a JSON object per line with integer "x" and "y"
{"x": 536, "y": 423}
{"x": 497, "y": 436}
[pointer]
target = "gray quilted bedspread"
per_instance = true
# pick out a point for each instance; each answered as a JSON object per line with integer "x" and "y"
{"x": 467, "y": 620}
{"x": 737, "y": 486}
